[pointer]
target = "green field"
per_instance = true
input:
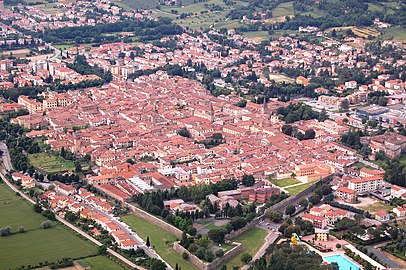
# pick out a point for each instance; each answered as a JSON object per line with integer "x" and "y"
{"x": 252, "y": 240}
{"x": 101, "y": 263}
{"x": 35, "y": 245}
{"x": 161, "y": 240}
{"x": 282, "y": 10}
{"x": 295, "y": 190}
{"x": 50, "y": 163}
{"x": 285, "y": 182}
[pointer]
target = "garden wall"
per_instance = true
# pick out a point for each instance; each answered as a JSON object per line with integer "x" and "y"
{"x": 205, "y": 265}
{"x": 141, "y": 213}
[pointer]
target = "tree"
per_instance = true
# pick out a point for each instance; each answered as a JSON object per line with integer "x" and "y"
{"x": 155, "y": 264}
{"x": 185, "y": 256}
{"x": 248, "y": 180}
{"x": 6, "y": 231}
{"x": 314, "y": 198}
{"x": 78, "y": 167}
{"x": 219, "y": 253}
{"x": 102, "y": 250}
{"x": 46, "y": 224}
{"x": 290, "y": 210}
{"x": 217, "y": 235}
{"x": 242, "y": 103}
{"x": 304, "y": 202}
{"x": 147, "y": 243}
{"x": 287, "y": 130}
{"x": 63, "y": 152}
{"x": 345, "y": 105}
{"x": 184, "y": 133}
{"x": 21, "y": 229}
{"x": 275, "y": 216}
{"x": 246, "y": 258}
{"x": 309, "y": 134}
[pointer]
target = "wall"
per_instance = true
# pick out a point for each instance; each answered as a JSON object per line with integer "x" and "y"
{"x": 141, "y": 213}
{"x": 214, "y": 264}
{"x": 250, "y": 225}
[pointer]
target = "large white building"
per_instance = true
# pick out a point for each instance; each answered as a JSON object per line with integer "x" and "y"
{"x": 364, "y": 184}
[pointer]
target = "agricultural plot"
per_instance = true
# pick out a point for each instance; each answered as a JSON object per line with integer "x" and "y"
{"x": 50, "y": 163}
{"x": 35, "y": 245}
{"x": 365, "y": 32}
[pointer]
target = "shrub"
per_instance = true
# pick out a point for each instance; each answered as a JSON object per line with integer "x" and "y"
{"x": 219, "y": 253}
{"x": 46, "y": 224}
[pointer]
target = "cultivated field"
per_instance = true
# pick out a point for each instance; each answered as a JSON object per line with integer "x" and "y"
{"x": 35, "y": 245}
{"x": 50, "y": 163}
{"x": 161, "y": 240}
{"x": 251, "y": 240}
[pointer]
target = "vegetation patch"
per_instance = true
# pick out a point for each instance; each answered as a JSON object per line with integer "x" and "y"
{"x": 251, "y": 240}
{"x": 50, "y": 163}
{"x": 101, "y": 263}
{"x": 161, "y": 240}
{"x": 296, "y": 189}
{"x": 35, "y": 245}
{"x": 285, "y": 182}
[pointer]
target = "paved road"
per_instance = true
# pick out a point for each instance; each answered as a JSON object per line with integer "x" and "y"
{"x": 6, "y": 157}
{"x": 7, "y": 164}
{"x": 382, "y": 257}
{"x": 269, "y": 239}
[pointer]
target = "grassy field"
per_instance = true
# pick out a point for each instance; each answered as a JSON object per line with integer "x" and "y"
{"x": 299, "y": 188}
{"x": 394, "y": 33}
{"x": 63, "y": 46}
{"x": 101, "y": 263}
{"x": 50, "y": 163}
{"x": 375, "y": 207}
{"x": 282, "y": 10}
{"x": 35, "y": 245}
{"x": 285, "y": 182}
{"x": 252, "y": 240}
{"x": 257, "y": 35}
{"x": 161, "y": 240}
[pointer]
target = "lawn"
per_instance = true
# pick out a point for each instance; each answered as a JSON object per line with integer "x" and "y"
{"x": 296, "y": 189}
{"x": 252, "y": 240}
{"x": 375, "y": 207}
{"x": 101, "y": 263}
{"x": 285, "y": 182}
{"x": 35, "y": 245}
{"x": 50, "y": 163}
{"x": 161, "y": 240}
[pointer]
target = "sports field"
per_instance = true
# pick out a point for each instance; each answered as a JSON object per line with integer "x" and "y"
{"x": 35, "y": 245}
{"x": 50, "y": 163}
{"x": 161, "y": 240}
